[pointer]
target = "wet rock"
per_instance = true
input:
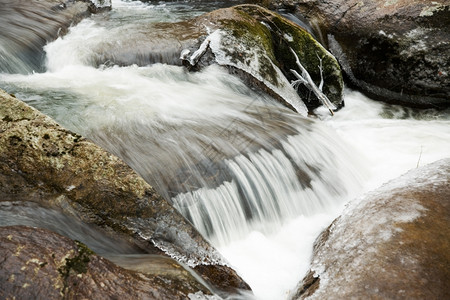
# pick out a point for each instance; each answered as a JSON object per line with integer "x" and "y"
{"x": 392, "y": 244}
{"x": 41, "y": 161}
{"x": 145, "y": 44}
{"x": 254, "y": 41}
{"x": 393, "y": 50}
{"x": 40, "y": 264}
{"x": 27, "y": 26}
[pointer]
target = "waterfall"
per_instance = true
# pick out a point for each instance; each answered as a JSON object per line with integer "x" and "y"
{"x": 27, "y": 26}
{"x": 308, "y": 174}
{"x": 229, "y": 159}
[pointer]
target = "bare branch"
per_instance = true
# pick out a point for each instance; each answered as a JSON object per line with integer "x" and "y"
{"x": 321, "y": 72}
{"x": 306, "y": 79}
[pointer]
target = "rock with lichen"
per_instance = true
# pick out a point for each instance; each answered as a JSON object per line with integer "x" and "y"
{"x": 40, "y": 264}
{"x": 392, "y": 244}
{"x": 393, "y": 50}
{"x": 42, "y": 162}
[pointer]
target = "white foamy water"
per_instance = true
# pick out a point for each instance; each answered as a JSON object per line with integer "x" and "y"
{"x": 179, "y": 129}
{"x": 390, "y": 139}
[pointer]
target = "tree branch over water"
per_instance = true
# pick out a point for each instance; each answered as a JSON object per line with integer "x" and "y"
{"x": 306, "y": 79}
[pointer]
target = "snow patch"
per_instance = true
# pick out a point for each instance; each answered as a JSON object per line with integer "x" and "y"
{"x": 417, "y": 41}
{"x": 390, "y": 35}
{"x": 390, "y": 2}
{"x": 288, "y": 37}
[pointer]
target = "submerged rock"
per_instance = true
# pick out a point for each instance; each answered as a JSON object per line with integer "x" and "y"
{"x": 393, "y": 244}
{"x": 43, "y": 162}
{"x": 40, "y": 264}
{"x": 393, "y": 50}
{"x": 27, "y": 26}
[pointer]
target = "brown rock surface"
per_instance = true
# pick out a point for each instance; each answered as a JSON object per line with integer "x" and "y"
{"x": 40, "y": 264}
{"x": 392, "y": 244}
{"x": 393, "y": 50}
{"x": 43, "y": 162}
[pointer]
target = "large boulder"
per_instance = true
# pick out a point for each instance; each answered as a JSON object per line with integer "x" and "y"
{"x": 40, "y": 264}
{"x": 42, "y": 162}
{"x": 393, "y": 50}
{"x": 392, "y": 244}
{"x": 260, "y": 43}
{"x": 27, "y": 26}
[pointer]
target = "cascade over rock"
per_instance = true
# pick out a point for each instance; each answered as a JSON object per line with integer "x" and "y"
{"x": 42, "y": 162}
{"x": 249, "y": 40}
{"x": 40, "y": 264}
{"x": 27, "y": 26}
{"x": 393, "y": 50}
{"x": 392, "y": 244}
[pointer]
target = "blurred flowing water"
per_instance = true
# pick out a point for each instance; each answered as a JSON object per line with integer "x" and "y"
{"x": 259, "y": 181}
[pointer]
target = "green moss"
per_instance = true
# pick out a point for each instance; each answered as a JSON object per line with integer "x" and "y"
{"x": 79, "y": 263}
{"x": 285, "y": 35}
{"x": 309, "y": 51}
{"x": 250, "y": 33}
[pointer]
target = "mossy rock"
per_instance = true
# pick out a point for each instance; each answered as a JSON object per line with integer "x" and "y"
{"x": 287, "y": 35}
{"x": 258, "y": 42}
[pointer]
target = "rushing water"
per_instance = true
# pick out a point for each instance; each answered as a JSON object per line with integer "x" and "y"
{"x": 257, "y": 179}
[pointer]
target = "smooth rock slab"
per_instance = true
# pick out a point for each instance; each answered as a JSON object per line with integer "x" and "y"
{"x": 40, "y": 264}
{"x": 392, "y": 244}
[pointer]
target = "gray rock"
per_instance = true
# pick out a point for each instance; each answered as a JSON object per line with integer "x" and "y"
{"x": 393, "y": 50}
